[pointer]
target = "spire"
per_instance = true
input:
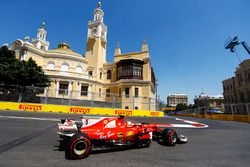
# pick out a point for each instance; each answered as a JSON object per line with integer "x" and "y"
{"x": 96, "y": 27}
{"x": 117, "y": 49}
{"x": 117, "y": 44}
{"x": 43, "y": 25}
{"x": 144, "y": 45}
{"x": 145, "y": 40}
{"x": 40, "y": 41}
{"x": 98, "y": 13}
{"x": 99, "y": 5}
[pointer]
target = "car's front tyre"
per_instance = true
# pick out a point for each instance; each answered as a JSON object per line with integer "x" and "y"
{"x": 169, "y": 137}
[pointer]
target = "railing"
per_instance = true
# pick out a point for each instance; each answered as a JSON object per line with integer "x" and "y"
{"x": 230, "y": 109}
{"x": 68, "y": 74}
{"x": 239, "y": 113}
{"x": 77, "y": 98}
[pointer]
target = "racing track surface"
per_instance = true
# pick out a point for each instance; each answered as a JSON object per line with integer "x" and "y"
{"x": 29, "y": 139}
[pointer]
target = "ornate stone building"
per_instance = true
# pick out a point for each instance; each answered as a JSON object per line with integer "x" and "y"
{"x": 128, "y": 80}
{"x": 236, "y": 90}
{"x": 209, "y": 101}
{"x": 174, "y": 99}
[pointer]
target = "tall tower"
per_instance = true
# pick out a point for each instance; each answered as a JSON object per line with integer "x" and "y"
{"x": 40, "y": 41}
{"x": 96, "y": 42}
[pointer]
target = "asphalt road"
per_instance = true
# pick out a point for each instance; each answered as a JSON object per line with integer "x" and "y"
{"x": 29, "y": 139}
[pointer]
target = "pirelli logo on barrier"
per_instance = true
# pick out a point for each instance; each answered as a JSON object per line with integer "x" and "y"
{"x": 124, "y": 112}
{"x": 79, "y": 110}
{"x": 156, "y": 114}
{"x": 30, "y": 107}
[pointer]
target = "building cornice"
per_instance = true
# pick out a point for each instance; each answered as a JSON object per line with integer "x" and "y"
{"x": 131, "y": 53}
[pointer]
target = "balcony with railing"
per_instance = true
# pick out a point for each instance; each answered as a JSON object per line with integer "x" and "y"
{"x": 130, "y": 69}
{"x": 68, "y": 74}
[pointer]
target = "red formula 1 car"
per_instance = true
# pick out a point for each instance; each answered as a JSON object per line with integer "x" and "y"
{"x": 95, "y": 133}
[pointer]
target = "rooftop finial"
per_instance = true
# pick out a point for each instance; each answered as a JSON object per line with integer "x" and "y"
{"x": 99, "y": 4}
{"x": 117, "y": 44}
{"x": 145, "y": 40}
{"x": 43, "y": 25}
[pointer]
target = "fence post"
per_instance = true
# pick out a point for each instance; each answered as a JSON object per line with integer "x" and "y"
{"x": 70, "y": 96}
{"x": 133, "y": 102}
{"x": 20, "y": 96}
{"x": 92, "y": 99}
{"x": 113, "y": 101}
{"x": 247, "y": 108}
{"x": 232, "y": 109}
{"x": 46, "y": 95}
{"x": 149, "y": 100}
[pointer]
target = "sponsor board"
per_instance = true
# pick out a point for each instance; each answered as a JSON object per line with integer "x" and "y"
{"x": 123, "y": 112}
{"x": 155, "y": 114}
{"x": 30, "y": 107}
{"x": 79, "y": 110}
{"x": 241, "y": 118}
{"x": 76, "y": 110}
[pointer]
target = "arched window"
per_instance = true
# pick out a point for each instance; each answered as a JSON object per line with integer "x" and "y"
{"x": 50, "y": 65}
{"x": 65, "y": 67}
{"x": 79, "y": 69}
{"x": 109, "y": 74}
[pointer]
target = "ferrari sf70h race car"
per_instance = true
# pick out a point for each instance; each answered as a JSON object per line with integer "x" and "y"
{"x": 98, "y": 133}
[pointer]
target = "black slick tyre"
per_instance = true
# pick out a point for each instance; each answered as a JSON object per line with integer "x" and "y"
{"x": 79, "y": 147}
{"x": 169, "y": 137}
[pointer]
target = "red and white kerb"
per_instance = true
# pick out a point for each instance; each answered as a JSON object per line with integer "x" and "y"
{"x": 190, "y": 124}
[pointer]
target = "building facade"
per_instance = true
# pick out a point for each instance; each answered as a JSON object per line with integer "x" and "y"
{"x": 209, "y": 101}
{"x": 236, "y": 90}
{"x": 174, "y": 99}
{"x": 129, "y": 80}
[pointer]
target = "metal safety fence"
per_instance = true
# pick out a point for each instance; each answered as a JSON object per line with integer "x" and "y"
{"x": 230, "y": 109}
{"x": 30, "y": 94}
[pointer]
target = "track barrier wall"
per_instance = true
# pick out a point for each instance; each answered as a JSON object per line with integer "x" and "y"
{"x": 224, "y": 117}
{"x": 33, "y": 107}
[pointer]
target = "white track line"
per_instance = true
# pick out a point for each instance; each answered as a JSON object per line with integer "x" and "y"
{"x": 31, "y": 118}
{"x": 190, "y": 124}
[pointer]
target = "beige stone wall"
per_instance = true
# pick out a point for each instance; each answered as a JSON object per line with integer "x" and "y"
{"x": 95, "y": 60}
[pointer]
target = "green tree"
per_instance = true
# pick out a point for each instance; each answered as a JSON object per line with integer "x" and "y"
{"x": 28, "y": 73}
{"x": 19, "y": 74}
{"x": 180, "y": 107}
{"x": 8, "y": 62}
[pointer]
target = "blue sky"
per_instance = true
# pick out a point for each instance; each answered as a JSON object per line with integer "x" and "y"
{"x": 186, "y": 37}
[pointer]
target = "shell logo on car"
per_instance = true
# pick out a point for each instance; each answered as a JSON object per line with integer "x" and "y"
{"x": 130, "y": 133}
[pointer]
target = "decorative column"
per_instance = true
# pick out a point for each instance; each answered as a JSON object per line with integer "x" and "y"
{"x": 69, "y": 88}
{"x": 89, "y": 91}
{"x": 79, "y": 90}
{"x": 70, "y": 85}
{"x": 57, "y": 88}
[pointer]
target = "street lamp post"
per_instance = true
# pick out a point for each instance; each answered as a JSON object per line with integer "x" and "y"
{"x": 156, "y": 85}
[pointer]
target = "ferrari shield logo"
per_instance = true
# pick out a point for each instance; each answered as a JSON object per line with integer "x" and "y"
{"x": 120, "y": 135}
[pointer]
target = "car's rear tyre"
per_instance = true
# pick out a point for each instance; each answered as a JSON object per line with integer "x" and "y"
{"x": 169, "y": 137}
{"x": 79, "y": 147}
